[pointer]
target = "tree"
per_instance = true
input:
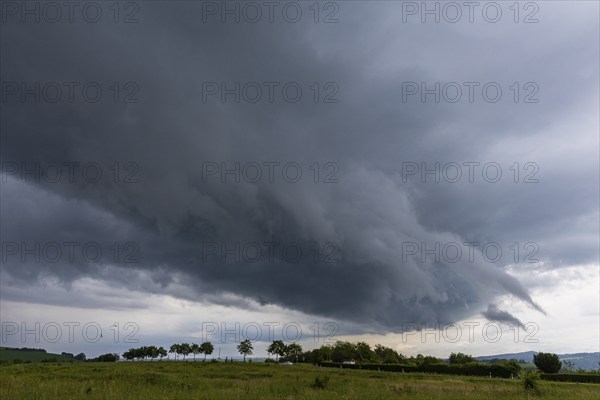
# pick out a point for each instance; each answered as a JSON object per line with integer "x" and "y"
{"x": 293, "y": 351}
{"x": 547, "y": 362}
{"x": 195, "y": 350}
{"x": 325, "y": 352}
{"x": 420, "y": 360}
{"x": 162, "y": 352}
{"x": 129, "y": 354}
{"x": 512, "y": 365}
{"x": 175, "y": 348}
{"x": 80, "y": 357}
{"x": 151, "y": 351}
{"x": 245, "y": 348}
{"x": 185, "y": 349}
{"x": 460, "y": 358}
{"x": 387, "y": 355}
{"x": 109, "y": 357}
{"x": 277, "y": 348}
{"x": 206, "y": 348}
{"x": 343, "y": 351}
{"x": 364, "y": 352}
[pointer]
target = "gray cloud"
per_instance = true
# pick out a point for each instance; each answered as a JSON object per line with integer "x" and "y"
{"x": 369, "y": 213}
{"x": 493, "y": 313}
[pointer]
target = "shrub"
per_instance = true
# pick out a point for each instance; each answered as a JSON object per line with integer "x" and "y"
{"x": 471, "y": 369}
{"x": 320, "y": 382}
{"x": 580, "y": 378}
{"x": 530, "y": 381}
{"x": 109, "y": 357}
{"x": 460, "y": 358}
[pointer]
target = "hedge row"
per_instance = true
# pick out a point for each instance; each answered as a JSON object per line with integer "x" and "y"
{"x": 470, "y": 369}
{"x": 580, "y": 378}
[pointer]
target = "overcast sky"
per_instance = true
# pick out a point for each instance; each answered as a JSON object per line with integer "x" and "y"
{"x": 356, "y": 170}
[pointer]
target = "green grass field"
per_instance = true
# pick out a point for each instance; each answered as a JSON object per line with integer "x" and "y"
{"x": 188, "y": 380}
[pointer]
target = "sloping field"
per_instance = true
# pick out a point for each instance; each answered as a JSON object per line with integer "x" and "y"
{"x": 10, "y": 354}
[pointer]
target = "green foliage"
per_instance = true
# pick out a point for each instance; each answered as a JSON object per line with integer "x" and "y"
{"x": 185, "y": 349}
{"x": 176, "y": 349}
{"x": 530, "y": 381}
{"x": 471, "y": 369}
{"x": 387, "y": 355}
{"x": 420, "y": 360}
{"x": 293, "y": 351}
{"x": 195, "y": 348}
{"x": 460, "y": 358}
{"x": 513, "y": 366}
{"x": 316, "y": 356}
{"x": 364, "y": 352}
{"x": 278, "y": 348}
{"x": 245, "y": 348}
{"x": 162, "y": 352}
{"x": 360, "y": 352}
{"x": 320, "y": 382}
{"x": 206, "y": 348}
{"x": 109, "y": 357}
{"x": 547, "y": 362}
{"x": 151, "y": 352}
{"x": 343, "y": 351}
{"x": 580, "y": 378}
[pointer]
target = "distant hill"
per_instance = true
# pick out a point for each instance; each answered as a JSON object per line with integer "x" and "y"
{"x": 526, "y": 356}
{"x": 31, "y": 355}
{"x": 587, "y": 361}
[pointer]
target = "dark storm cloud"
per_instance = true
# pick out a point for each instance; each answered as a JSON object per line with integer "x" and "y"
{"x": 493, "y": 313}
{"x": 369, "y": 213}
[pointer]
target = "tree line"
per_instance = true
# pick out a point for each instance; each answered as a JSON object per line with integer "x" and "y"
{"x": 179, "y": 349}
{"x": 339, "y": 352}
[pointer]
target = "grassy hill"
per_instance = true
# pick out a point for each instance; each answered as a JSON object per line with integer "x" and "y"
{"x": 10, "y": 354}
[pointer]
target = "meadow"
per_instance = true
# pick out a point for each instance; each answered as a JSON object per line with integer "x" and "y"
{"x": 206, "y": 380}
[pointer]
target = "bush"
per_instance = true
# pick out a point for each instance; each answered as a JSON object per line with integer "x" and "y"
{"x": 530, "y": 381}
{"x": 579, "y": 378}
{"x": 470, "y": 369}
{"x": 547, "y": 362}
{"x": 320, "y": 382}
{"x": 109, "y": 357}
{"x": 460, "y": 358}
{"x": 513, "y": 366}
